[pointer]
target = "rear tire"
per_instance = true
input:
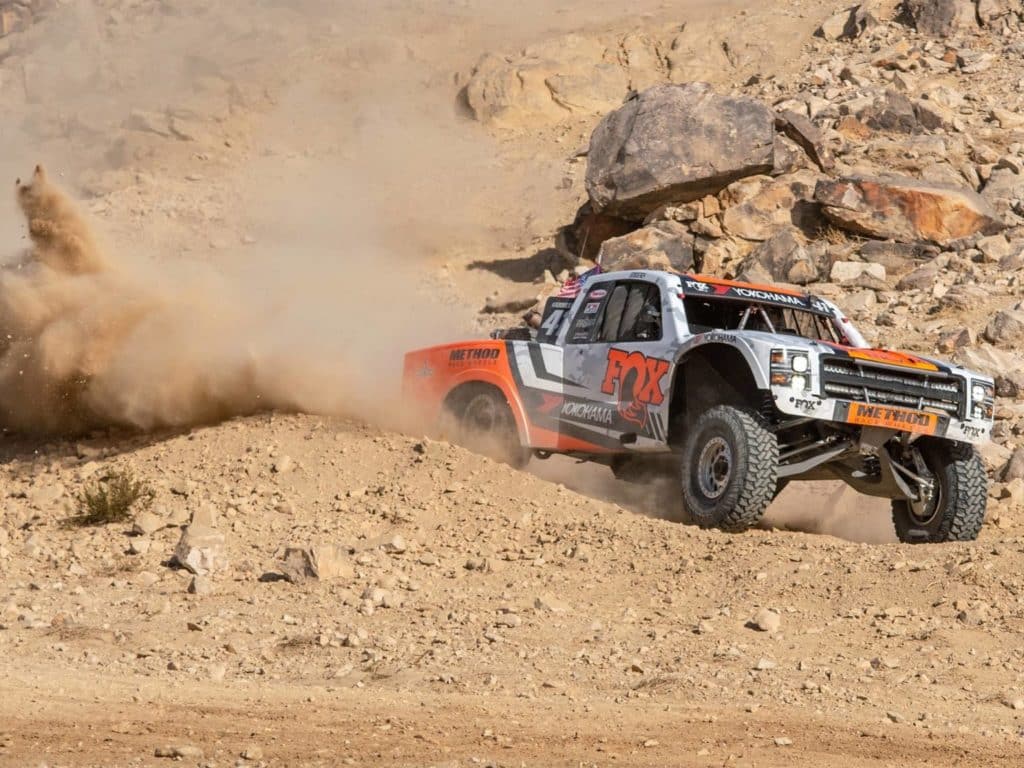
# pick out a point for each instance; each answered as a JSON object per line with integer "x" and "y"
{"x": 958, "y": 510}
{"x": 487, "y": 426}
{"x": 730, "y": 466}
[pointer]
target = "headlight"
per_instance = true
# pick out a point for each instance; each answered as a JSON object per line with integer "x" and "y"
{"x": 800, "y": 363}
{"x": 799, "y": 383}
{"x": 978, "y": 393}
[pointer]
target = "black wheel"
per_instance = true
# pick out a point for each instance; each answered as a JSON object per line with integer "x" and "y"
{"x": 953, "y": 507}
{"x": 486, "y": 426}
{"x": 730, "y": 469}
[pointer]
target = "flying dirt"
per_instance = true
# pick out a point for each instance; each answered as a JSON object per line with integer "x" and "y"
{"x": 99, "y": 338}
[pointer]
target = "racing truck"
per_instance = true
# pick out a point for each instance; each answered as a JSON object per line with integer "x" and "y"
{"x": 736, "y": 389}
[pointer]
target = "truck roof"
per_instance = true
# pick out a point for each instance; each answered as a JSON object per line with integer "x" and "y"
{"x": 719, "y": 288}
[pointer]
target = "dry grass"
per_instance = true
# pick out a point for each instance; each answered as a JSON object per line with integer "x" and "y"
{"x": 112, "y": 499}
{"x": 834, "y": 235}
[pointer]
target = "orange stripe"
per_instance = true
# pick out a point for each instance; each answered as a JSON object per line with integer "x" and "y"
{"x": 892, "y": 358}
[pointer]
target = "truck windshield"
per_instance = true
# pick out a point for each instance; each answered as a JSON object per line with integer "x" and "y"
{"x": 704, "y": 314}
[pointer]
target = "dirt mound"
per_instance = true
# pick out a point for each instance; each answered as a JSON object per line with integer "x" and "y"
{"x": 456, "y": 569}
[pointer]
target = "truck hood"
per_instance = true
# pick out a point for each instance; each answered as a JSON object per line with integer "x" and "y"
{"x": 872, "y": 355}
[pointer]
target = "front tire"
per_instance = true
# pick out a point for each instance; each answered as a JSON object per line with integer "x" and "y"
{"x": 730, "y": 469}
{"x": 956, "y": 511}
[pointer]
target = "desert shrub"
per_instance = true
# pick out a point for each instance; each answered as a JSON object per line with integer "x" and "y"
{"x": 112, "y": 499}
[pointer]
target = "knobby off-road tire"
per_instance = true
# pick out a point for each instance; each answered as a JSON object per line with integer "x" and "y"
{"x": 958, "y": 511}
{"x": 730, "y": 466}
{"x": 486, "y": 426}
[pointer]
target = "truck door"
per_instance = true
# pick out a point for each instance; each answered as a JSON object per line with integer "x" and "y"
{"x": 617, "y": 351}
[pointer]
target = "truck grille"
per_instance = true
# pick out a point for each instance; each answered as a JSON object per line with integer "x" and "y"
{"x": 866, "y": 383}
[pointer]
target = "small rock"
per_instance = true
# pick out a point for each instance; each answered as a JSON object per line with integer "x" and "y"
{"x": 184, "y": 751}
{"x": 783, "y": 741}
{"x": 767, "y": 620}
{"x": 324, "y": 562}
{"x": 283, "y": 465}
{"x": 201, "y": 550}
{"x": 139, "y": 545}
{"x": 205, "y": 516}
{"x": 844, "y": 272}
{"x": 147, "y": 523}
{"x": 252, "y": 752}
{"x": 994, "y": 248}
{"x": 200, "y": 585}
{"x": 394, "y": 544}
{"x": 550, "y": 603}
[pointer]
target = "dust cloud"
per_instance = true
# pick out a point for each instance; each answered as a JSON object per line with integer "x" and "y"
{"x": 829, "y": 508}
{"x": 361, "y": 174}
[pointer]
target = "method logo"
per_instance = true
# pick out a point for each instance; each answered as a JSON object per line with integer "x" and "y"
{"x": 473, "y": 355}
{"x": 636, "y": 380}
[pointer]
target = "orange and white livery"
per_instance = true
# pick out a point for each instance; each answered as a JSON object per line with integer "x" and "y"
{"x": 626, "y": 373}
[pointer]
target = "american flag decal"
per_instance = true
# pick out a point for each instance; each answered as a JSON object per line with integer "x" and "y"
{"x": 571, "y": 288}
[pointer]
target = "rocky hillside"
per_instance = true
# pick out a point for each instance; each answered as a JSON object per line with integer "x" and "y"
{"x": 322, "y": 590}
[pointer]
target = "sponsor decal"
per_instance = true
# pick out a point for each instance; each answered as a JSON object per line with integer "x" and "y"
{"x": 597, "y": 414}
{"x": 598, "y": 293}
{"x": 591, "y": 309}
{"x": 728, "y": 338}
{"x": 820, "y": 306}
{"x": 974, "y": 432}
{"x": 636, "y": 380}
{"x": 759, "y": 295}
{"x": 805, "y": 405}
{"x": 693, "y": 285}
{"x": 473, "y": 356}
{"x": 893, "y": 418}
{"x": 425, "y": 372}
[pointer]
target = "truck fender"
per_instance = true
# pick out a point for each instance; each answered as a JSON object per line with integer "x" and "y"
{"x": 758, "y": 368}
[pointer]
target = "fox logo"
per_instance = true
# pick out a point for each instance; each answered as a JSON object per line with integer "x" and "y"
{"x": 636, "y": 379}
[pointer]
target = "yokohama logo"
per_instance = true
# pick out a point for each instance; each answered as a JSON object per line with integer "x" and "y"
{"x": 781, "y": 298}
{"x": 587, "y": 412}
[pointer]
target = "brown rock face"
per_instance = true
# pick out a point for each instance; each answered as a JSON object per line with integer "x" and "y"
{"x": 906, "y": 210}
{"x": 662, "y": 245}
{"x": 675, "y": 144}
{"x": 942, "y": 17}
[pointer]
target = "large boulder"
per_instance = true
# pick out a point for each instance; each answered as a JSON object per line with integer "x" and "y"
{"x": 1006, "y": 327}
{"x": 569, "y": 74}
{"x": 534, "y": 87}
{"x": 675, "y": 144}
{"x": 760, "y": 206}
{"x": 781, "y": 258}
{"x": 906, "y": 210}
{"x": 940, "y": 18}
{"x": 662, "y": 245}
{"x": 1004, "y": 190}
{"x": 990, "y": 10}
{"x": 1006, "y": 367}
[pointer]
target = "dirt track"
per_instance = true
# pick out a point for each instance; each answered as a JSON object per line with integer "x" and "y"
{"x": 320, "y": 725}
